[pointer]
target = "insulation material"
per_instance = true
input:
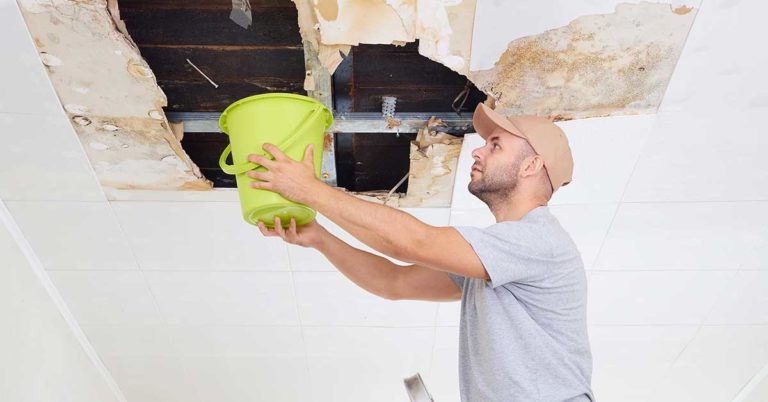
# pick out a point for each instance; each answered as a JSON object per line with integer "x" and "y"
{"x": 110, "y": 95}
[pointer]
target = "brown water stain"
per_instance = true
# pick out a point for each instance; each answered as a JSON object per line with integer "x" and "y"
{"x": 597, "y": 65}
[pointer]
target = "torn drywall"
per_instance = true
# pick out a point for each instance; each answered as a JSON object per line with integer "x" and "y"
{"x": 443, "y": 28}
{"x": 583, "y": 59}
{"x": 432, "y": 172}
{"x": 111, "y": 96}
{"x": 598, "y": 65}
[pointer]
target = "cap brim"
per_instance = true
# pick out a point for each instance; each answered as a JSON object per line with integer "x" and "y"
{"x": 485, "y": 120}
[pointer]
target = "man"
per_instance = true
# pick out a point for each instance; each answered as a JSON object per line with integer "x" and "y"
{"x": 521, "y": 281}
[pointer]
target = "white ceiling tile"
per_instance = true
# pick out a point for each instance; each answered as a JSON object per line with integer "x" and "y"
{"x": 638, "y": 346}
{"x": 249, "y": 378}
{"x": 703, "y": 157}
{"x": 152, "y": 378}
{"x": 198, "y": 236}
{"x": 630, "y": 384}
{"x": 130, "y": 340}
{"x": 448, "y": 314}
{"x": 224, "y": 298}
{"x": 461, "y": 198}
{"x": 347, "y": 363}
{"x": 107, "y": 297}
{"x": 442, "y": 380}
{"x": 744, "y": 301}
{"x": 430, "y": 216}
{"x": 329, "y": 298}
{"x": 718, "y": 362}
{"x": 712, "y": 74}
{"x": 605, "y": 150}
{"x": 26, "y": 88}
{"x": 236, "y": 341}
{"x": 653, "y": 297}
{"x": 73, "y": 235}
{"x": 687, "y": 236}
{"x": 587, "y": 224}
{"x": 42, "y": 159}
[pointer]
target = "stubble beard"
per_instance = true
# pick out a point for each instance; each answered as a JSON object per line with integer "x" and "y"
{"x": 494, "y": 188}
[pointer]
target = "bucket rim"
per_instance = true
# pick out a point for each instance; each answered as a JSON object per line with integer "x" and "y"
{"x": 223, "y": 117}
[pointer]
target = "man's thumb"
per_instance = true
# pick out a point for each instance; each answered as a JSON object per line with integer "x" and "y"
{"x": 309, "y": 155}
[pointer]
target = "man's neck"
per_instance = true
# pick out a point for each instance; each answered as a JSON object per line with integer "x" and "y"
{"x": 515, "y": 209}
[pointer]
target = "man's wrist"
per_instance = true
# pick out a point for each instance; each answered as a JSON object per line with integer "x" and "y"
{"x": 314, "y": 193}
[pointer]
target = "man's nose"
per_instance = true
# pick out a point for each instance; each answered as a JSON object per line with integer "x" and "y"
{"x": 476, "y": 153}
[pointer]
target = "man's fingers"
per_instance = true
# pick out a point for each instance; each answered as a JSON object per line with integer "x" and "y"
{"x": 264, "y": 176}
{"x": 279, "y": 228}
{"x": 309, "y": 155}
{"x": 261, "y": 160}
{"x": 292, "y": 235}
{"x": 274, "y": 151}
{"x": 265, "y": 231}
{"x": 263, "y": 185}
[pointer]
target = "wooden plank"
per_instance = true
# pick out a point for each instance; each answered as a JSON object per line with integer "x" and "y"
{"x": 415, "y": 99}
{"x": 185, "y": 96}
{"x": 198, "y": 4}
{"x": 224, "y": 64}
{"x": 271, "y": 26}
{"x": 380, "y": 65}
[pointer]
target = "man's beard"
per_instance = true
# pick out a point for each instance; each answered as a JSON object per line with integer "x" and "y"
{"x": 493, "y": 188}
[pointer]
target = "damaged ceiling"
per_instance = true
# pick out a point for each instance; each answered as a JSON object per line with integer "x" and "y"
{"x": 527, "y": 58}
{"x": 110, "y": 95}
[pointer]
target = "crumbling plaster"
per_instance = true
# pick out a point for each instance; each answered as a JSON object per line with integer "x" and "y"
{"x": 558, "y": 58}
{"x": 110, "y": 94}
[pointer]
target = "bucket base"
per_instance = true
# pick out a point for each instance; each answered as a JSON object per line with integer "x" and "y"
{"x": 285, "y": 212}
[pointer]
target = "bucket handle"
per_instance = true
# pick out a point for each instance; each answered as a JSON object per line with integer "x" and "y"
{"x": 246, "y": 166}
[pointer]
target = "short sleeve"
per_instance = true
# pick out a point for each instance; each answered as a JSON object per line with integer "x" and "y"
{"x": 509, "y": 251}
{"x": 458, "y": 280}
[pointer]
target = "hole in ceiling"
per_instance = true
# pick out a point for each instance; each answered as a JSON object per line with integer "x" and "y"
{"x": 269, "y": 57}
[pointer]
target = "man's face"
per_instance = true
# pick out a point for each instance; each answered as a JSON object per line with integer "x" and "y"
{"x": 494, "y": 173}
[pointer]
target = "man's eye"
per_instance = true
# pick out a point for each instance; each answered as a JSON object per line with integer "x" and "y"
{"x": 496, "y": 146}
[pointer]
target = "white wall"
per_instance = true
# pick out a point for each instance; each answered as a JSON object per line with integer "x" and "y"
{"x": 40, "y": 358}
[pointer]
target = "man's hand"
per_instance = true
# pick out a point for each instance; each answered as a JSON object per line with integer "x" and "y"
{"x": 309, "y": 235}
{"x": 292, "y": 179}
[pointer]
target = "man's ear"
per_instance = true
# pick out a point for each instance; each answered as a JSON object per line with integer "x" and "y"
{"x": 532, "y": 165}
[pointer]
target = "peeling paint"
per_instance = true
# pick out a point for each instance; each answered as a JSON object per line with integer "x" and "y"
{"x": 443, "y": 28}
{"x": 597, "y": 65}
{"x": 110, "y": 94}
{"x": 434, "y": 157}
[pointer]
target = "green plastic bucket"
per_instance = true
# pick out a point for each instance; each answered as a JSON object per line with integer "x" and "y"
{"x": 289, "y": 121}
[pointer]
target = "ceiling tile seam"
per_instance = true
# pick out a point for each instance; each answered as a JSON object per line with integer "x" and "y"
{"x": 624, "y": 192}
{"x": 430, "y": 364}
{"x": 750, "y": 386}
{"x": 703, "y": 320}
{"x": 593, "y": 263}
{"x": 58, "y": 301}
{"x": 155, "y": 304}
{"x": 721, "y": 295}
{"x": 686, "y": 44}
{"x": 165, "y": 325}
{"x": 696, "y": 270}
{"x": 304, "y": 346}
{"x": 41, "y": 67}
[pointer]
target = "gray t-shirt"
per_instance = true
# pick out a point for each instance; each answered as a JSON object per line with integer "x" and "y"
{"x": 523, "y": 334}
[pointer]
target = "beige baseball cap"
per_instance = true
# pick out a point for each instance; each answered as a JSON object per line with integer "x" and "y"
{"x": 546, "y": 138}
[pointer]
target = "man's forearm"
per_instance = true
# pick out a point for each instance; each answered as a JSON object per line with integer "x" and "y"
{"x": 387, "y": 230}
{"x": 371, "y": 272}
